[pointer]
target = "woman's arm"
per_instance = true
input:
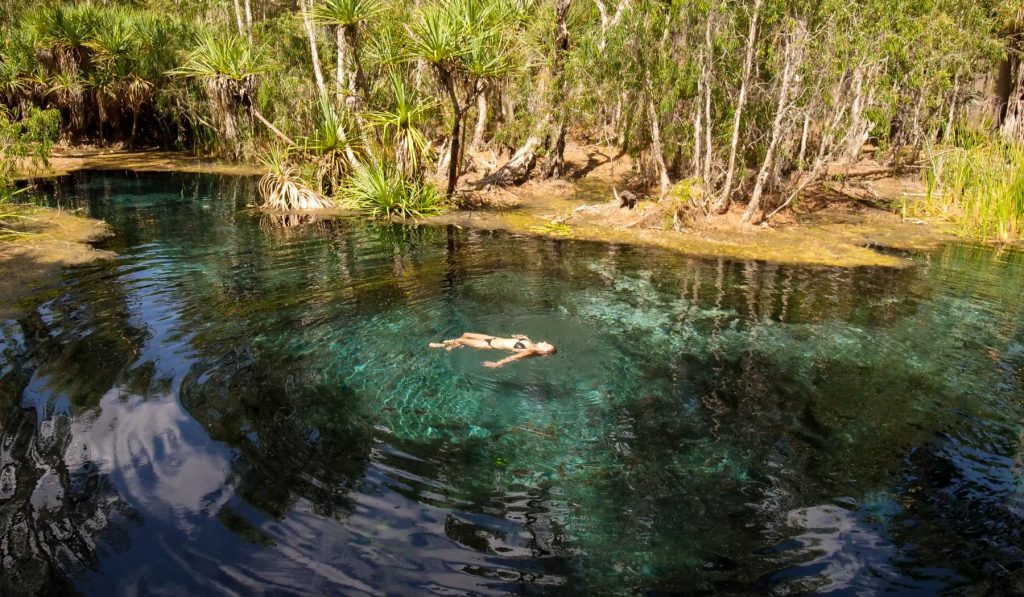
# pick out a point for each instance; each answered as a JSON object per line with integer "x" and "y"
{"x": 508, "y": 359}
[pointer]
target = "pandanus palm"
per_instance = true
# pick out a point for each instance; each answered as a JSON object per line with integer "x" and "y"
{"x": 401, "y": 126}
{"x": 464, "y": 42}
{"x": 348, "y": 17}
{"x": 229, "y": 69}
{"x": 335, "y": 143}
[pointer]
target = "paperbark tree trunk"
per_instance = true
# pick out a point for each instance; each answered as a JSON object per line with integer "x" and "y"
{"x": 248, "y": 19}
{"x": 481, "y": 122}
{"x": 792, "y": 63}
{"x": 307, "y": 20}
{"x": 748, "y": 64}
{"x": 238, "y": 18}
{"x": 1012, "y": 127}
{"x": 555, "y": 163}
{"x": 657, "y": 150}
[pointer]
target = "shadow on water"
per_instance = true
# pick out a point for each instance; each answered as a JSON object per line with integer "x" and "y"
{"x": 233, "y": 405}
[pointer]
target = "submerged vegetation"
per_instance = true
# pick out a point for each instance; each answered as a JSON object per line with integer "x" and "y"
{"x": 752, "y": 101}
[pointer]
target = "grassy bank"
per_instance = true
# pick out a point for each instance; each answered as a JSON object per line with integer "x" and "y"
{"x": 978, "y": 190}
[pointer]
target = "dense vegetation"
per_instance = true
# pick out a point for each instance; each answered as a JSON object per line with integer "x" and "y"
{"x": 718, "y": 101}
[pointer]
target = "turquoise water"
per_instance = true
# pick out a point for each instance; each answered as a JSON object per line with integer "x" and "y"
{"x": 234, "y": 405}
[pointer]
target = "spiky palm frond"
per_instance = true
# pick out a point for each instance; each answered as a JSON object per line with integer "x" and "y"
{"x": 65, "y": 26}
{"x": 282, "y": 187}
{"x": 436, "y": 35}
{"x": 402, "y": 124}
{"x": 345, "y": 13}
{"x": 222, "y": 55}
{"x": 380, "y": 190}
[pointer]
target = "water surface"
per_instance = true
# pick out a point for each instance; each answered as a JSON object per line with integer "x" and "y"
{"x": 240, "y": 405}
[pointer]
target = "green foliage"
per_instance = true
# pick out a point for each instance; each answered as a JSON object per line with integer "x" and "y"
{"x": 218, "y": 55}
{"x": 979, "y": 190}
{"x": 24, "y": 139}
{"x": 345, "y": 13}
{"x": 380, "y": 190}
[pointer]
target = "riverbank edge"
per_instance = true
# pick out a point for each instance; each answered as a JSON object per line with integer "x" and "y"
{"x": 54, "y": 240}
{"x": 828, "y": 237}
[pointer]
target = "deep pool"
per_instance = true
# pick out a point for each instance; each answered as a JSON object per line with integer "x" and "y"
{"x": 241, "y": 405}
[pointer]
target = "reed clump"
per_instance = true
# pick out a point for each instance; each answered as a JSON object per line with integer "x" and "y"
{"x": 978, "y": 188}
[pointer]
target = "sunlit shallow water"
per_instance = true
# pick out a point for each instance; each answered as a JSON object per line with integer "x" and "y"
{"x": 233, "y": 405}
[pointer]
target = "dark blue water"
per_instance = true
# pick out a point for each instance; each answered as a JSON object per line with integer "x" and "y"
{"x": 240, "y": 405}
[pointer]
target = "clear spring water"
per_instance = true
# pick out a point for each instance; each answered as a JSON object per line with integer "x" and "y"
{"x": 236, "y": 406}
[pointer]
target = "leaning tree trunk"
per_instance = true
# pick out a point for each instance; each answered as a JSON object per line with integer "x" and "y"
{"x": 307, "y": 19}
{"x": 792, "y": 63}
{"x": 723, "y": 202}
{"x": 517, "y": 170}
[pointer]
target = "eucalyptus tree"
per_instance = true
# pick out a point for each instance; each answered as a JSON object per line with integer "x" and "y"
{"x": 464, "y": 42}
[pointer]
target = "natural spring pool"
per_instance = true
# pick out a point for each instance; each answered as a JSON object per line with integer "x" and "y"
{"x": 237, "y": 405}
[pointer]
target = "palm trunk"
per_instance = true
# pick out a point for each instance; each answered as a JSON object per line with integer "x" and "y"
{"x": 481, "y": 122}
{"x": 748, "y": 64}
{"x": 445, "y": 79}
{"x": 339, "y": 39}
{"x": 307, "y": 20}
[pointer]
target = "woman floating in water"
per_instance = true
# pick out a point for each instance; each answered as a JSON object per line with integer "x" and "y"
{"x": 518, "y": 344}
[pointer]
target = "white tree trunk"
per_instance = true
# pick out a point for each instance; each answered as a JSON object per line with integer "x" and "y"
{"x": 339, "y": 39}
{"x": 748, "y": 65}
{"x": 709, "y": 65}
{"x": 481, "y": 122}
{"x": 307, "y": 19}
{"x": 657, "y": 150}
{"x": 238, "y": 18}
{"x": 803, "y": 140}
{"x": 248, "y": 19}
{"x": 792, "y": 63}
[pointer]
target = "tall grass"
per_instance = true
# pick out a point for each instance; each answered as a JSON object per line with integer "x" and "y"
{"x": 380, "y": 190}
{"x": 978, "y": 188}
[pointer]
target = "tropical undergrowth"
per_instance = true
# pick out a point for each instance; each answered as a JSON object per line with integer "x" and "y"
{"x": 977, "y": 186}
{"x": 23, "y": 141}
{"x": 747, "y": 100}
